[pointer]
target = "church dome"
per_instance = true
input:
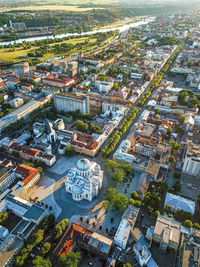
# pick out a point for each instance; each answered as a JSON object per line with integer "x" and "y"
{"x": 83, "y": 165}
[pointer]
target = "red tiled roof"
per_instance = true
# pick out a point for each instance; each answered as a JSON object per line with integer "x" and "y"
{"x": 29, "y": 151}
{"x": 41, "y": 71}
{"x": 66, "y": 243}
{"x": 2, "y": 84}
{"x": 30, "y": 76}
{"x": 27, "y": 172}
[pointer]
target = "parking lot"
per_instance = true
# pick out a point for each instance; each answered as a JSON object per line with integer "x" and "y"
{"x": 190, "y": 186}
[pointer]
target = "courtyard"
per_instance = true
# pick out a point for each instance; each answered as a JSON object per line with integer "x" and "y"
{"x": 51, "y": 191}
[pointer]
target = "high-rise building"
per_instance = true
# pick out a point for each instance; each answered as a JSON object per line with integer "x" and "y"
{"x": 71, "y": 102}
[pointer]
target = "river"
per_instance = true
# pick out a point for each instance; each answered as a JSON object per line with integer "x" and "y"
{"x": 120, "y": 28}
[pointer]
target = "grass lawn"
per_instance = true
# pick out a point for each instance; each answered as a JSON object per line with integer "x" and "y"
{"x": 20, "y": 53}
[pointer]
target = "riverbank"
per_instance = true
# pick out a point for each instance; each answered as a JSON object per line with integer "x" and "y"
{"x": 121, "y": 29}
{"x": 117, "y": 24}
{"x": 16, "y": 55}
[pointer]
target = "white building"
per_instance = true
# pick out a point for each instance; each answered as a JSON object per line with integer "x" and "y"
{"x": 71, "y": 102}
{"x": 113, "y": 107}
{"x": 21, "y": 68}
{"x": 177, "y": 203}
{"x": 143, "y": 256}
{"x": 121, "y": 153}
{"x": 191, "y": 165}
{"x": 136, "y": 75}
{"x": 18, "y": 114}
{"x": 7, "y": 177}
{"x": 122, "y": 235}
{"x": 104, "y": 86}
{"x": 85, "y": 180}
{"x": 3, "y": 232}
{"x": 48, "y": 159}
{"x": 16, "y": 102}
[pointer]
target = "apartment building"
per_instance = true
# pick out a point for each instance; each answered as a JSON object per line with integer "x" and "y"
{"x": 71, "y": 102}
{"x": 7, "y": 177}
{"x": 18, "y": 114}
{"x": 167, "y": 232}
{"x": 29, "y": 175}
{"x": 191, "y": 163}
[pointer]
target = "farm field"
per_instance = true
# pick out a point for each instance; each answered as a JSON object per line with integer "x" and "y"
{"x": 47, "y": 7}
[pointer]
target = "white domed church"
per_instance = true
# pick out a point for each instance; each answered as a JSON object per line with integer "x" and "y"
{"x": 84, "y": 180}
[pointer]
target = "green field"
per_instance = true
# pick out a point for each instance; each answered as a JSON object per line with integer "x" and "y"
{"x": 21, "y": 54}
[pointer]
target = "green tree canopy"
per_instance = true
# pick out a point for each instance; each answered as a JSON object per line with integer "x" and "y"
{"x": 69, "y": 260}
{"x": 187, "y": 223}
{"x": 110, "y": 164}
{"x": 134, "y": 195}
{"x": 40, "y": 261}
{"x": 69, "y": 151}
{"x": 111, "y": 193}
{"x": 45, "y": 249}
{"x": 118, "y": 176}
{"x": 120, "y": 202}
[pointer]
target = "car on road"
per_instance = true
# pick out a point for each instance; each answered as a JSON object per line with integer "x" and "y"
{"x": 90, "y": 263}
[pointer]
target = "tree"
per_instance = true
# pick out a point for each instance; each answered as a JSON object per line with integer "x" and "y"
{"x": 111, "y": 193}
{"x": 193, "y": 102}
{"x": 120, "y": 202}
{"x": 187, "y": 223}
{"x": 157, "y": 212}
{"x": 157, "y": 117}
{"x": 169, "y": 130}
{"x": 196, "y": 225}
{"x": 127, "y": 265}
{"x": 39, "y": 261}
{"x": 3, "y": 217}
{"x": 69, "y": 260}
{"x": 40, "y": 169}
{"x": 134, "y": 195}
{"x": 106, "y": 204}
{"x": 110, "y": 164}
{"x": 69, "y": 151}
{"x": 59, "y": 228}
{"x": 175, "y": 145}
{"x": 37, "y": 237}
{"x": 118, "y": 176}
{"x": 81, "y": 126}
{"x": 177, "y": 186}
{"x": 127, "y": 168}
{"x": 137, "y": 203}
{"x": 45, "y": 249}
{"x": 172, "y": 159}
{"x": 181, "y": 118}
{"x": 51, "y": 219}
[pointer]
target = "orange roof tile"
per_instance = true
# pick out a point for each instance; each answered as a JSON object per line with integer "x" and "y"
{"x": 27, "y": 172}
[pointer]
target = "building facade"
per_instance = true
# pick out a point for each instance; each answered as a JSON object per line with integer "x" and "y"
{"x": 7, "y": 177}
{"x": 71, "y": 102}
{"x": 84, "y": 180}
